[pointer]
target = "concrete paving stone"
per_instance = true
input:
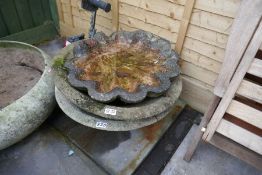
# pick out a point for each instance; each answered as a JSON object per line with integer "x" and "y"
{"x": 45, "y": 152}
{"x": 207, "y": 160}
{"x": 118, "y": 152}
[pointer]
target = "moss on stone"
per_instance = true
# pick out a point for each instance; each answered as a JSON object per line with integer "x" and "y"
{"x": 58, "y": 62}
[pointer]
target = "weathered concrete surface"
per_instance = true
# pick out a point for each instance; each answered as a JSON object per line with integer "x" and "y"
{"x": 143, "y": 110}
{"x": 207, "y": 160}
{"x": 46, "y": 152}
{"x": 120, "y": 153}
{"x": 20, "y": 118}
{"x": 98, "y": 122}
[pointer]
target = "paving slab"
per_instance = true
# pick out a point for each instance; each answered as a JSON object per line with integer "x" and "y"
{"x": 118, "y": 152}
{"x": 207, "y": 160}
{"x": 46, "y": 152}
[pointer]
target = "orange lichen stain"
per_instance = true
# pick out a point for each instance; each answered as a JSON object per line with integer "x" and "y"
{"x": 150, "y": 131}
{"x": 175, "y": 110}
{"x": 121, "y": 65}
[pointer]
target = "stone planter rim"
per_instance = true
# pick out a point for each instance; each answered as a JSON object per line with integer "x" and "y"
{"x": 24, "y": 115}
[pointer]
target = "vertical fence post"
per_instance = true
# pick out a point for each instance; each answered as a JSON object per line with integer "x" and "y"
{"x": 115, "y": 15}
{"x": 184, "y": 25}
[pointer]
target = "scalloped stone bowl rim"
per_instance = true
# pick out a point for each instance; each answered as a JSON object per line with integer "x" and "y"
{"x": 143, "y": 90}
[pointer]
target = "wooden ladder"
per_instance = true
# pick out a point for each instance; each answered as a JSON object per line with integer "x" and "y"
{"x": 233, "y": 121}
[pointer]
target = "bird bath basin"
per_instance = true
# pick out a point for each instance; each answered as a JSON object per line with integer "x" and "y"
{"x": 128, "y": 65}
{"x": 128, "y": 80}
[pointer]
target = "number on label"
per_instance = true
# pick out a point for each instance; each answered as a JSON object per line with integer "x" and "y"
{"x": 101, "y": 124}
{"x": 110, "y": 111}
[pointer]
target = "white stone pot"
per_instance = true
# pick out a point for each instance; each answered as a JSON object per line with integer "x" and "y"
{"x": 24, "y": 115}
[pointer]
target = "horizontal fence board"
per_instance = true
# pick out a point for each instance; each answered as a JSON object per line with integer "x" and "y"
{"x": 196, "y": 94}
{"x": 67, "y": 30}
{"x": 221, "y": 7}
{"x": 205, "y": 49}
{"x": 250, "y": 90}
{"x": 256, "y": 68}
{"x": 245, "y": 113}
{"x": 240, "y": 135}
{"x": 68, "y": 19}
{"x": 199, "y": 73}
{"x": 138, "y": 24}
{"x": 86, "y": 15}
{"x": 99, "y": 21}
{"x": 84, "y": 24}
{"x": 168, "y": 23}
{"x": 200, "y": 60}
{"x": 200, "y": 18}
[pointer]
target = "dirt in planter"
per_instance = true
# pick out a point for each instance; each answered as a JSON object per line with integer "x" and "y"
{"x": 20, "y": 70}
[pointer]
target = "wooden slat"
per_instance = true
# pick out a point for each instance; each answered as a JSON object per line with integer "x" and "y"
{"x": 83, "y": 23}
{"x": 200, "y": 60}
{"x": 46, "y": 9}
{"x": 138, "y": 24}
{"x": 67, "y": 12}
{"x": 245, "y": 113}
{"x": 242, "y": 31}
{"x": 115, "y": 14}
{"x": 221, "y": 7}
{"x": 60, "y": 11}
{"x": 10, "y": 16}
{"x": 256, "y": 68}
{"x": 199, "y": 18}
{"x": 198, "y": 134}
{"x": 240, "y": 135}
{"x": 3, "y": 28}
{"x": 205, "y": 49}
{"x": 237, "y": 150}
{"x": 184, "y": 25}
{"x": 37, "y": 12}
{"x": 245, "y": 63}
{"x": 199, "y": 73}
{"x": 24, "y": 14}
{"x": 250, "y": 90}
{"x": 196, "y": 93}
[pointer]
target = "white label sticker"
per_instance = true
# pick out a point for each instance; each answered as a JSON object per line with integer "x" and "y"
{"x": 101, "y": 124}
{"x": 110, "y": 111}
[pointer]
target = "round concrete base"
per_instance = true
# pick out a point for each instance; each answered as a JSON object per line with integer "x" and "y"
{"x": 24, "y": 115}
{"x": 97, "y": 122}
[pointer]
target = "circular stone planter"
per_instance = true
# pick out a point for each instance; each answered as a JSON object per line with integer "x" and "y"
{"x": 97, "y": 122}
{"x": 24, "y": 115}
